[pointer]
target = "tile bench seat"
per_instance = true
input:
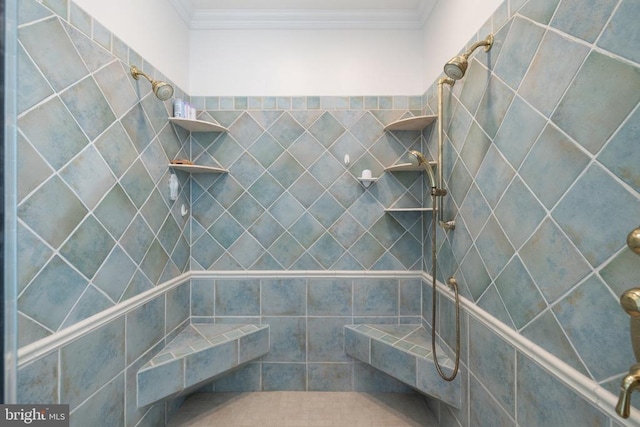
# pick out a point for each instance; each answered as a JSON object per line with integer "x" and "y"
{"x": 404, "y": 352}
{"x": 198, "y": 354}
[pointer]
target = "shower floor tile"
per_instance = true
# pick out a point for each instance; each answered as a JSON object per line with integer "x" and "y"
{"x": 304, "y": 409}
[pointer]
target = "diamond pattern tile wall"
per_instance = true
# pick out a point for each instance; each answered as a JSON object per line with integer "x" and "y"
{"x": 540, "y": 147}
{"x": 290, "y": 202}
{"x": 95, "y": 222}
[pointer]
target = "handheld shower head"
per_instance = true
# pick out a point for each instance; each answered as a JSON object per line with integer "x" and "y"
{"x": 457, "y": 66}
{"x": 162, "y": 90}
{"x": 421, "y": 160}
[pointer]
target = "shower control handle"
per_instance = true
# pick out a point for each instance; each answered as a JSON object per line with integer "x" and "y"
{"x": 630, "y": 302}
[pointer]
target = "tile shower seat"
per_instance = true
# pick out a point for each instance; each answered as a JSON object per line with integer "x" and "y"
{"x": 404, "y": 352}
{"x": 199, "y": 353}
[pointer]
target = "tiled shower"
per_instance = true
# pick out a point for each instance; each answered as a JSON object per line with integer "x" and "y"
{"x": 539, "y": 164}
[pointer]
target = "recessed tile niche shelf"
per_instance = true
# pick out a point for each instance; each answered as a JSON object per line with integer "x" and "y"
{"x": 411, "y": 123}
{"x": 197, "y": 125}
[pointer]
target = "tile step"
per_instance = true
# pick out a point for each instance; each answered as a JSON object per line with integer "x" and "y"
{"x": 404, "y": 352}
{"x": 198, "y": 354}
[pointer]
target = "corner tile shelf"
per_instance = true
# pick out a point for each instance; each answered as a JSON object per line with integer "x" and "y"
{"x": 407, "y": 167}
{"x": 404, "y": 352}
{"x": 408, "y": 210}
{"x": 198, "y": 168}
{"x": 366, "y": 182}
{"x": 197, "y": 125}
{"x": 411, "y": 123}
{"x": 198, "y": 354}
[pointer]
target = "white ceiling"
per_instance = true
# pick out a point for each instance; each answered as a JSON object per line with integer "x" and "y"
{"x": 304, "y": 14}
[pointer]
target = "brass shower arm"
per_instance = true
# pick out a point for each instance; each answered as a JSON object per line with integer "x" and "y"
{"x": 487, "y": 43}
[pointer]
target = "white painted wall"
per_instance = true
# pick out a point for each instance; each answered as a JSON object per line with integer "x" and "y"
{"x": 152, "y": 28}
{"x": 306, "y": 62}
{"x": 450, "y": 26}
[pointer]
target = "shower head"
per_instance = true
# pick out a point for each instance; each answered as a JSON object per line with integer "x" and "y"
{"x": 162, "y": 90}
{"x": 421, "y": 160}
{"x": 457, "y": 66}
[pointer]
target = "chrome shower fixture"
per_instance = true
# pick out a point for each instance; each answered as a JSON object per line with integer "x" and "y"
{"x": 457, "y": 66}
{"x": 162, "y": 90}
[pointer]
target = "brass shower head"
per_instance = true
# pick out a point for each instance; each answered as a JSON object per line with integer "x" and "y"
{"x": 162, "y": 90}
{"x": 457, "y": 66}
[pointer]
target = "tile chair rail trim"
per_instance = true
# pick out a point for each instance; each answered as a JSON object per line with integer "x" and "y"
{"x": 40, "y": 348}
{"x": 585, "y": 387}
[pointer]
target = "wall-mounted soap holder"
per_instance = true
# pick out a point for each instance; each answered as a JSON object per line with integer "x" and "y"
{"x": 367, "y": 181}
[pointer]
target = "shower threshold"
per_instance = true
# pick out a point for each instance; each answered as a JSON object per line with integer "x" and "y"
{"x": 304, "y": 409}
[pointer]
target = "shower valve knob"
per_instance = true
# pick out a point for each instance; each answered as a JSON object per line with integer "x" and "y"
{"x": 630, "y": 302}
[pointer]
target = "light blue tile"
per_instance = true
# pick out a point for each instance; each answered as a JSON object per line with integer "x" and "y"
{"x": 493, "y": 106}
{"x": 286, "y": 210}
{"x": 552, "y": 166}
{"x": 620, "y": 35}
{"x": 509, "y": 213}
{"x": 89, "y": 107}
{"x": 177, "y": 306}
{"x": 245, "y": 379}
{"x": 579, "y": 212}
{"x": 246, "y": 170}
{"x": 493, "y": 362}
{"x": 154, "y": 262}
{"x": 91, "y": 302}
{"x": 286, "y": 250}
{"x": 288, "y": 339}
{"x": 38, "y": 381}
{"x": 52, "y": 294}
{"x": 306, "y": 150}
{"x": 325, "y": 339}
{"x": 31, "y": 11}
{"x": 137, "y": 239}
{"x": 246, "y": 250}
{"x": 370, "y": 380}
{"x": 582, "y": 114}
{"x": 32, "y": 255}
{"x": 475, "y": 148}
{"x": 285, "y": 297}
{"x": 226, "y": 230}
{"x": 306, "y": 189}
{"x": 518, "y": 50}
{"x": 491, "y": 302}
{"x": 484, "y": 410}
{"x": 307, "y": 230}
{"x": 32, "y": 170}
{"x": 375, "y": 297}
{"x": 114, "y": 275}
{"x": 105, "y": 408}
{"x": 494, "y": 248}
{"x": 326, "y": 250}
{"x": 51, "y": 122}
{"x": 329, "y": 297}
{"x": 284, "y": 377}
{"x": 538, "y": 392}
{"x": 407, "y": 250}
{"x": 475, "y": 211}
{"x": 91, "y": 361}
{"x": 577, "y": 22}
{"x": 553, "y": 262}
{"x": 32, "y": 86}
{"x": 476, "y": 274}
{"x": 286, "y": 130}
{"x": 266, "y": 150}
{"x": 619, "y": 155}
{"x": 116, "y": 149}
{"x": 588, "y": 305}
{"x": 410, "y": 297}
{"x": 620, "y": 271}
{"x": 237, "y": 298}
{"x": 330, "y": 376}
{"x": 266, "y": 230}
{"x": 138, "y": 127}
{"x": 394, "y": 362}
{"x": 346, "y": 230}
{"x": 208, "y": 363}
{"x": 157, "y": 383}
{"x": 206, "y": 251}
{"x": 266, "y": 190}
{"x": 137, "y": 183}
{"x": 540, "y": 11}
{"x": 494, "y": 176}
{"x": 49, "y": 60}
{"x": 519, "y": 294}
{"x": 367, "y": 250}
{"x": 254, "y": 345}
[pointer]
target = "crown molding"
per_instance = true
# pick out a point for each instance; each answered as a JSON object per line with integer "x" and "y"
{"x": 302, "y": 19}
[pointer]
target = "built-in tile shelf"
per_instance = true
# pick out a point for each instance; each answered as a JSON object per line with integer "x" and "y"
{"x": 198, "y": 168}
{"x": 197, "y": 125}
{"x": 198, "y": 354}
{"x": 408, "y": 210}
{"x": 408, "y": 167}
{"x": 366, "y": 182}
{"x": 411, "y": 123}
